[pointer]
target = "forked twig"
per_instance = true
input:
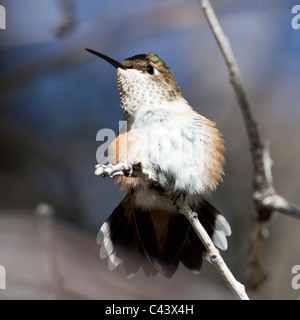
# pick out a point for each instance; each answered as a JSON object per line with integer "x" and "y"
{"x": 265, "y": 198}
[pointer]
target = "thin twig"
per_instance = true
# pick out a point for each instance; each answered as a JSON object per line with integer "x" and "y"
{"x": 214, "y": 255}
{"x": 280, "y": 204}
{"x": 254, "y": 274}
{"x": 265, "y": 198}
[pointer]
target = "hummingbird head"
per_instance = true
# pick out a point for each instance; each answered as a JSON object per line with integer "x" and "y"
{"x": 143, "y": 80}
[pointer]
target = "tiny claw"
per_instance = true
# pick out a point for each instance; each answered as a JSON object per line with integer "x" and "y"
{"x": 117, "y": 173}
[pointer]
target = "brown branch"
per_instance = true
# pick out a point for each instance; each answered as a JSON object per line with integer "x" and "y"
{"x": 265, "y": 198}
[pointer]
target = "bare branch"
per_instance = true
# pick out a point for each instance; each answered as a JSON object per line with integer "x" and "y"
{"x": 265, "y": 198}
{"x": 213, "y": 253}
{"x": 254, "y": 274}
{"x": 278, "y": 203}
{"x": 262, "y": 162}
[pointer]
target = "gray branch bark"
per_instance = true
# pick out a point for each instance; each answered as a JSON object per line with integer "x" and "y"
{"x": 213, "y": 253}
{"x": 265, "y": 198}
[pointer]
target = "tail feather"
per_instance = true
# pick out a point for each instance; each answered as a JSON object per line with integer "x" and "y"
{"x": 222, "y": 224}
{"x": 214, "y": 223}
{"x": 129, "y": 237}
{"x": 162, "y": 255}
{"x": 191, "y": 253}
{"x": 118, "y": 233}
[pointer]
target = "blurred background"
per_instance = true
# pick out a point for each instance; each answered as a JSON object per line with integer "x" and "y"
{"x": 55, "y": 97}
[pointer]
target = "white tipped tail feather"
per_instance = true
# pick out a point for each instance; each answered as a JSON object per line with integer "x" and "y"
{"x": 222, "y": 229}
{"x": 129, "y": 237}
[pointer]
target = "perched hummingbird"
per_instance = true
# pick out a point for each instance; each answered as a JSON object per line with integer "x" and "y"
{"x": 182, "y": 154}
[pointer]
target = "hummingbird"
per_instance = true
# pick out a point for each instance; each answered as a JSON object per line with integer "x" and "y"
{"x": 181, "y": 156}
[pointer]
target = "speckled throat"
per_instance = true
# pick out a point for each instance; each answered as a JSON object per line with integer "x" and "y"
{"x": 146, "y": 82}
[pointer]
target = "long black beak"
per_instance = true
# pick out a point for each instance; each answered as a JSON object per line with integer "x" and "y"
{"x": 113, "y": 62}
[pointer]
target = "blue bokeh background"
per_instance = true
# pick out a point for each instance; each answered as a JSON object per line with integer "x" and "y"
{"x": 54, "y": 97}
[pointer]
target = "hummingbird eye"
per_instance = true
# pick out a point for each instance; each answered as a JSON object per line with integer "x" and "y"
{"x": 150, "y": 69}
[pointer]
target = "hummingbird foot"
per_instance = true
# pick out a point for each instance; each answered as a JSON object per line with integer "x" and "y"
{"x": 143, "y": 173}
{"x": 113, "y": 170}
{"x": 125, "y": 169}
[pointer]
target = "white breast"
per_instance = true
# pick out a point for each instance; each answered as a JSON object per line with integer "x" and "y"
{"x": 175, "y": 144}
